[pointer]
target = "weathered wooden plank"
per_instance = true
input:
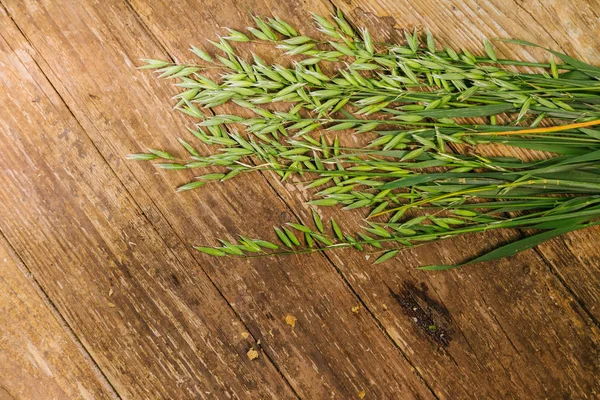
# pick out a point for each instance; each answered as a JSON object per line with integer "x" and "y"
{"x": 330, "y": 350}
{"x": 520, "y": 291}
{"x": 572, "y": 27}
{"x": 40, "y": 360}
{"x": 483, "y": 327}
{"x": 483, "y": 331}
{"x": 156, "y": 330}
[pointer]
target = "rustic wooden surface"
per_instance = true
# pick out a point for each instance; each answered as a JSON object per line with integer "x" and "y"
{"x": 40, "y": 358}
{"x": 138, "y": 315}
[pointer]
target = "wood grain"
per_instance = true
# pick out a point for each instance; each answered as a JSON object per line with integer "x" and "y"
{"x": 521, "y": 330}
{"x": 330, "y": 351}
{"x": 523, "y": 280}
{"x": 40, "y": 360}
{"x": 572, "y": 27}
{"x": 154, "y": 329}
{"x": 493, "y": 325}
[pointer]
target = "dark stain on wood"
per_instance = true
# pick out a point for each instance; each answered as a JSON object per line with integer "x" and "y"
{"x": 429, "y": 316}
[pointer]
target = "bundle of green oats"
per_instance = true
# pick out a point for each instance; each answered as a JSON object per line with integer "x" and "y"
{"x": 422, "y": 113}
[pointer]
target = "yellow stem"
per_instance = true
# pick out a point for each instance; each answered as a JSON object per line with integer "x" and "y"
{"x": 543, "y": 130}
{"x": 523, "y": 131}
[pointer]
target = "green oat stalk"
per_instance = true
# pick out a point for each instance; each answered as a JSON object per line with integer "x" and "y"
{"x": 423, "y": 113}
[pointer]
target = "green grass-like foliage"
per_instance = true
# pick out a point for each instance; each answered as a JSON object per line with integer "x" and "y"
{"x": 422, "y": 112}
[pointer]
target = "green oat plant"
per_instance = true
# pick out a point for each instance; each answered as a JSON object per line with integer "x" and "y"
{"x": 422, "y": 112}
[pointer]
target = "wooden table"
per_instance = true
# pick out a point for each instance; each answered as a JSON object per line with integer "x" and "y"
{"x": 101, "y": 296}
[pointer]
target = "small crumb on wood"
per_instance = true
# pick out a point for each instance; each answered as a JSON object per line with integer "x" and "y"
{"x": 290, "y": 320}
{"x": 252, "y": 354}
{"x": 245, "y": 335}
{"x": 362, "y": 394}
{"x": 355, "y": 309}
{"x": 384, "y": 307}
